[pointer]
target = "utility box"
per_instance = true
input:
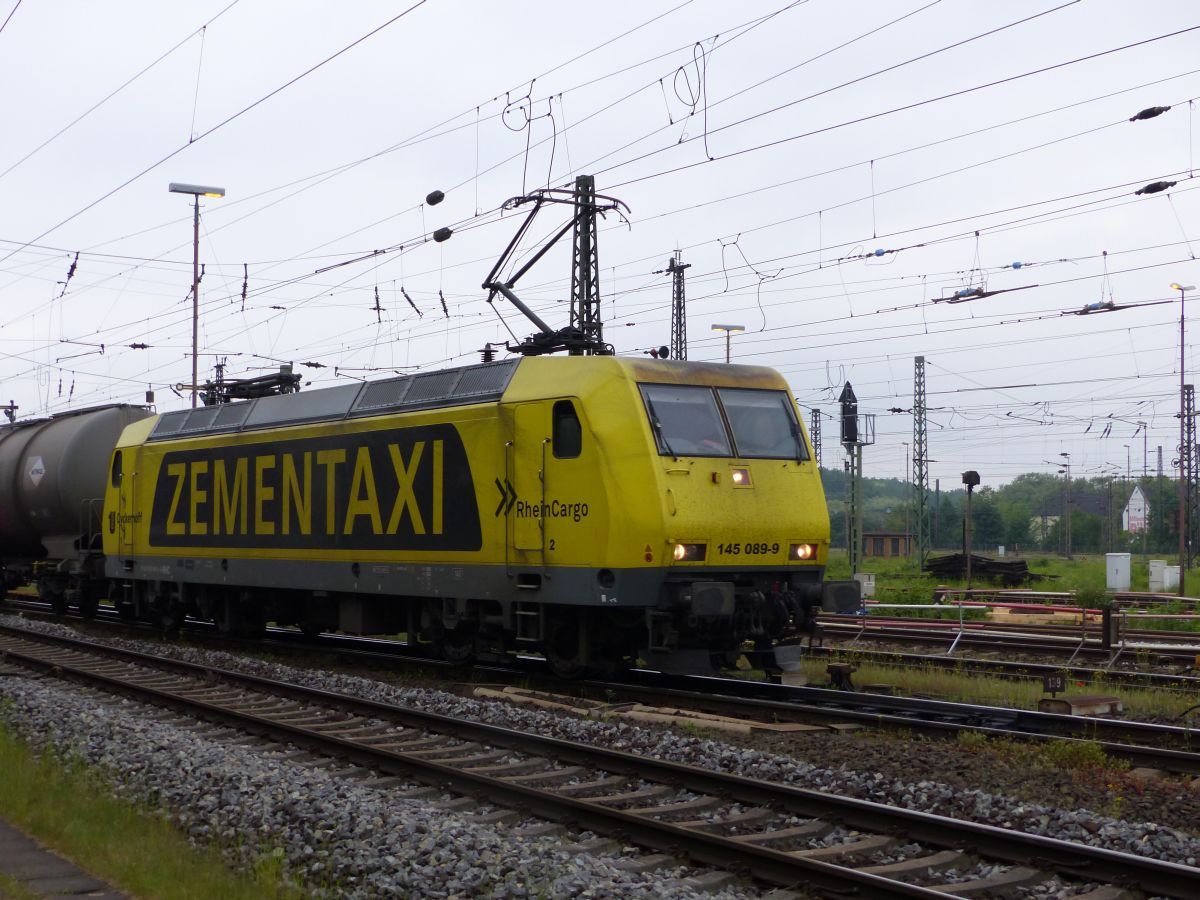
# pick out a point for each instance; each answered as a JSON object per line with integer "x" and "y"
{"x": 1116, "y": 568}
{"x": 1000, "y": 551}
{"x": 867, "y": 580}
{"x": 1171, "y": 578}
{"x": 1157, "y": 576}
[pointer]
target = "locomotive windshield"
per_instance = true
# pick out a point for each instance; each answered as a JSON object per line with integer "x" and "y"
{"x": 685, "y": 420}
{"x": 691, "y": 420}
{"x": 763, "y": 424}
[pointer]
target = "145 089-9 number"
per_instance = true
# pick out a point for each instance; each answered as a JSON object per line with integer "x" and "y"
{"x": 750, "y": 548}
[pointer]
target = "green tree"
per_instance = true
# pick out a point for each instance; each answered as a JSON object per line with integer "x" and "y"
{"x": 987, "y": 523}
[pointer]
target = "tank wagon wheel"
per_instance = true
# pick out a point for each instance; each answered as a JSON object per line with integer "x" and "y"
{"x": 725, "y": 659}
{"x": 89, "y": 602}
{"x": 55, "y": 596}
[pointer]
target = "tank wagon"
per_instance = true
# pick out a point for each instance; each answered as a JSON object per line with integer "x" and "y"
{"x": 598, "y": 510}
{"x": 52, "y": 475}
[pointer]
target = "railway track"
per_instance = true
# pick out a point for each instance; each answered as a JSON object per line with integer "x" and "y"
{"x": 1168, "y": 748}
{"x": 777, "y": 834}
{"x": 1166, "y": 647}
{"x": 1011, "y": 668}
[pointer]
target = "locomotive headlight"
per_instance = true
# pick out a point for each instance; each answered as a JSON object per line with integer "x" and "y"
{"x": 689, "y": 552}
{"x": 740, "y": 477}
{"x": 802, "y": 551}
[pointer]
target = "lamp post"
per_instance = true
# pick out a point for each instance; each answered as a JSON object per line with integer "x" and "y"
{"x": 729, "y": 330}
{"x": 1183, "y": 289}
{"x": 197, "y": 191}
{"x": 971, "y": 480}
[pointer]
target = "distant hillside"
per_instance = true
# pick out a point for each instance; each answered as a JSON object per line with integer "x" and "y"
{"x": 1028, "y": 513}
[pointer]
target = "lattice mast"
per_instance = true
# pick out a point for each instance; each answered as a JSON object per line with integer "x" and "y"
{"x": 814, "y": 433}
{"x": 1190, "y": 474}
{"x": 585, "y": 268}
{"x": 678, "y": 313}
{"x": 921, "y": 463}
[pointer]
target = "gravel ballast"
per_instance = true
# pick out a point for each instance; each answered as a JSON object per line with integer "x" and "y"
{"x": 335, "y": 836}
{"x": 217, "y": 790}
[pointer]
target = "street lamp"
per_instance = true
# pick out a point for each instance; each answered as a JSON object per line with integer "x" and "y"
{"x": 197, "y": 191}
{"x": 729, "y": 330}
{"x": 1183, "y": 289}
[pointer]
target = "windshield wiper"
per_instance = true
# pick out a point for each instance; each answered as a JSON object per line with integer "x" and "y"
{"x": 662, "y": 436}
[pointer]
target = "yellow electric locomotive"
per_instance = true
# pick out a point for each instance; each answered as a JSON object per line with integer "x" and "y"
{"x": 598, "y": 510}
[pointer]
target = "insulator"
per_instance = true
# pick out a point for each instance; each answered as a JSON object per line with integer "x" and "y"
{"x": 1154, "y": 187}
{"x": 1149, "y": 113}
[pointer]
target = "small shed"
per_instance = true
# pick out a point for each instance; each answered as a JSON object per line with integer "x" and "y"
{"x": 887, "y": 543}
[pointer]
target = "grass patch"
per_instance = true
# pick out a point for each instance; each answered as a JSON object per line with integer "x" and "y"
{"x": 64, "y": 806}
{"x": 1080, "y": 757}
{"x": 11, "y": 889}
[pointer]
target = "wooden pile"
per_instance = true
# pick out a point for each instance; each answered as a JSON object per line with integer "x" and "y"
{"x": 1007, "y": 571}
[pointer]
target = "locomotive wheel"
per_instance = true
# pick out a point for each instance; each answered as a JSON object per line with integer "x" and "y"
{"x": 171, "y": 613}
{"x": 310, "y": 630}
{"x": 116, "y": 596}
{"x": 458, "y": 645}
{"x": 563, "y": 649}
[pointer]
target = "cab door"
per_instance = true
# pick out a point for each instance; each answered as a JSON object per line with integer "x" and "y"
{"x": 123, "y": 481}
{"x": 527, "y": 467}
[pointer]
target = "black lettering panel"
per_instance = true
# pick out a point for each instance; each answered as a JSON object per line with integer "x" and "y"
{"x": 404, "y": 489}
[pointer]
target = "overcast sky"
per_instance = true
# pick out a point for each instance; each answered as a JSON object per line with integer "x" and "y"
{"x": 781, "y": 146}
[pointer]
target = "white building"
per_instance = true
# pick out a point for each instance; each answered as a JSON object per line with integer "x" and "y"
{"x": 1133, "y": 519}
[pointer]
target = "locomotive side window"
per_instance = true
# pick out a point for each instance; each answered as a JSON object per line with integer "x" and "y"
{"x": 568, "y": 433}
{"x": 116, "y": 469}
{"x": 685, "y": 420}
{"x": 764, "y": 424}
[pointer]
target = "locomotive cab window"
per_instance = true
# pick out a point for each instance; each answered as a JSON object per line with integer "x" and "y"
{"x": 764, "y": 424}
{"x": 116, "y": 469}
{"x": 685, "y": 420}
{"x": 567, "y": 431}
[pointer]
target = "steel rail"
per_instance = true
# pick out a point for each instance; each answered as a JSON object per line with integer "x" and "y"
{"x": 1153, "y": 876}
